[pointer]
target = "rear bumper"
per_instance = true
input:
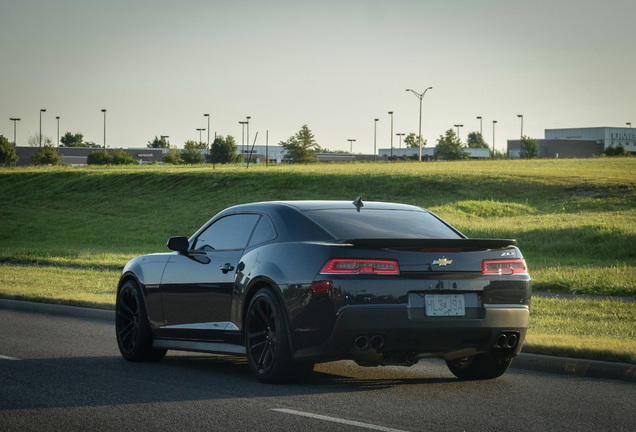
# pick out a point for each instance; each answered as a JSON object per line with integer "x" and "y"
{"x": 404, "y": 330}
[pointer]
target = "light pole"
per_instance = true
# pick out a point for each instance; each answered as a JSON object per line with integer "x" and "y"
{"x": 391, "y": 112}
{"x": 248, "y": 133}
{"x": 14, "y": 120}
{"x": 375, "y": 136}
{"x": 208, "y": 116}
{"x": 400, "y": 135}
{"x": 351, "y": 147}
{"x": 41, "y": 111}
{"x": 242, "y": 123}
{"x": 58, "y": 132}
{"x": 163, "y": 138}
{"x": 494, "y": 122}
{"x": 104, "y": 111}
{"x": 458, "y": 126}
{"x": 200, "y": 131}
{"x": 420, "y": 96}
{"x": 480, "y": 129}
{"x": 521, "y": 117}
{"x": 628, "y": 124}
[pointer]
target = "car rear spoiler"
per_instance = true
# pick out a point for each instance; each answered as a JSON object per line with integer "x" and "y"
{"x": 432, "y": 244}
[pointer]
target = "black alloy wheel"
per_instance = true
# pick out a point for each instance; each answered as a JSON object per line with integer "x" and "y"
{"x": 267, "y": 340}
{"x": 131, "y": 324}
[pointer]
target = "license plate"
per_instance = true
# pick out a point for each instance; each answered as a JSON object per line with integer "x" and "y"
{"x": 444, "y": 305}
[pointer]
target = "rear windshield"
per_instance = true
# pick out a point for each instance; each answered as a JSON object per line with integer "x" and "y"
{"x": 349, "y": 224}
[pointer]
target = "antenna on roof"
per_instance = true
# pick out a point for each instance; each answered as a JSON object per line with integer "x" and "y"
{"x": 358, "y": 203}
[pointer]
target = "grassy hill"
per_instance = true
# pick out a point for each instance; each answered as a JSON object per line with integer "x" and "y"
{"x": 575, "y": 220}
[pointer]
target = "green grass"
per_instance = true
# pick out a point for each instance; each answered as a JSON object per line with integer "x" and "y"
{"x": 593, "y": 329}
{"x": 575, "y": 222}
{"x": 76, "y": 287}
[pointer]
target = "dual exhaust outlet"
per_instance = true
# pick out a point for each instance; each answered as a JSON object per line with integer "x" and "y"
{"x": 508, "y": 340}
{"x": 364, "y": 342}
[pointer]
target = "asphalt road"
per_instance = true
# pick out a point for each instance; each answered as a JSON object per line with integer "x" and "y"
{"x": 65, "y": 373}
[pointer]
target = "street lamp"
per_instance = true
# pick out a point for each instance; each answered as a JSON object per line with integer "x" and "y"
{"x": 400, "y": 135}
{"x": 248, "y": 133}
{"x": 494, "y": 122}
{"x": 41, "y": 111}
{"x": 351, "y": 147}
{"x": 521, "y": 117}
{"x": 391, "y": 112}
{"x": 200, "y": 131}
{"x": 104, "y": 111}
{"x": 243, "y": 137}
{"x": 14, "y": 120}
{"x": 458, "y": 126}
{"x": 208, "y": 116}
{"x": 628, "y": 124}
{"x": 480, "y": 124}
{"x": 420, "y": 96}
{"x": 58, "y": 131}
{"x": 375, "y": 135}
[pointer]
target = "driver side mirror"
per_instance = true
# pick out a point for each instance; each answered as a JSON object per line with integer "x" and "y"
{"x": 178, "y": 244}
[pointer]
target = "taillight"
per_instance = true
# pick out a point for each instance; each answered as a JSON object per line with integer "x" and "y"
{"x": 360, "y": 266}
{"x": 504, "y": 266}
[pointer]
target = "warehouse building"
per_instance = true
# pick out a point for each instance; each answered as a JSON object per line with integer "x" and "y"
{"x": 579, "y": 142}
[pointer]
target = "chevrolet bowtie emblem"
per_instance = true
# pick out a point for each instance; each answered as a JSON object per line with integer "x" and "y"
{"x": 443, "y": 262}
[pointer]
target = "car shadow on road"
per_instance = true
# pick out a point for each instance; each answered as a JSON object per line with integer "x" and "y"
{"x": 110, "y": 380}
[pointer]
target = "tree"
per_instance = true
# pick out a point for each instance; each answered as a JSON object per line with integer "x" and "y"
{"x": 223, "y": 151}
{"x": 191, "y": 153}
{"x": 7, "y": 152}
{"x": 449, "y": 147}
{"x": 46, "y": 155}
{"x": 73, "y": 140}
{"x": 619, "y": 150}
{"x": 34, "y": 140}
{"x": 173, "y": 156}
{"x": 159, "y": 143}
{"x": 99, "y": 157}
{"x": 302, "y": 147}
{"x": 528, "y": 148}
{"x": 412, "y": 141}
{"x": 476, "y": 140}
{"x": 121, "y": 157}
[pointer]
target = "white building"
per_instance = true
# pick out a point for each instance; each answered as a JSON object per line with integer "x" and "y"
{"x": 428, "y": 153}
{"x": 608, "y": 136}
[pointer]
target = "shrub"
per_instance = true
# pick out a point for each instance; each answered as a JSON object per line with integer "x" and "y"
{"x": 46, "y": 155}
{"x": 99, "y": 157}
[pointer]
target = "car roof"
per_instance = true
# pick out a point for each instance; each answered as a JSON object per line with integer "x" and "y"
{"x": 307, "y": 205}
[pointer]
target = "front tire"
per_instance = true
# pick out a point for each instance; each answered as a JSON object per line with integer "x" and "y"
{"x": 479, "y": 367}
{"x": 267, "y": 339}
{"x": 134, "y": 337}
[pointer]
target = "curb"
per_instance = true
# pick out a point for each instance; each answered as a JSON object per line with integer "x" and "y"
{"x": 575, "y": 367}
{"x": 56, "y": 309}
{"x": 533, "y": 362}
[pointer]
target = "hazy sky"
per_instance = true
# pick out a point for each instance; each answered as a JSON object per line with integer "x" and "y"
{"x": 158, "y": 66}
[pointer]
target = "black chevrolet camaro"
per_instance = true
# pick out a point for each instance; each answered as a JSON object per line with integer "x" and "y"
{"x": 292, "y": 283}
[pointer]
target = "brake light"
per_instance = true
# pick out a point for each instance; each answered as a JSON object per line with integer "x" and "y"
{"x": 504, "y": 266}
{"x": 360, "y": 266}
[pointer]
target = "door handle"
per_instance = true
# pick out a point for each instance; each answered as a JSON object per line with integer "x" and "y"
{"x": 227, "y": 267}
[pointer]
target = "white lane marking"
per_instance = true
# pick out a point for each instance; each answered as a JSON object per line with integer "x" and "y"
{"x": 337, "y": 420}
{"x": 7, "y": 358}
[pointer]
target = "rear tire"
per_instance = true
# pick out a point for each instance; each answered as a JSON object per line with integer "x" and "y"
{"x": 479, "y": 367}
{"x": 134, "y": 337}
{"x": 267, "y": 341}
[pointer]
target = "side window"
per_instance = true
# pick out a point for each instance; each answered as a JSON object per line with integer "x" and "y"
{"x": 230, "y": 232}
{"x": 263, "y": 232}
